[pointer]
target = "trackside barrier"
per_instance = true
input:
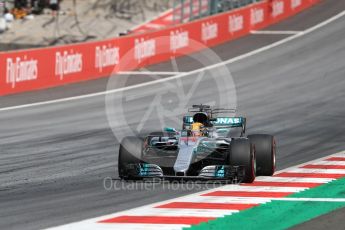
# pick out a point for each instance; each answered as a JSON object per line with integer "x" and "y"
{"x": 29, "y": 70}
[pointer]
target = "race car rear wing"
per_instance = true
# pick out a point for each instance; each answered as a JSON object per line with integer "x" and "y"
{"x": 219, "y": 121}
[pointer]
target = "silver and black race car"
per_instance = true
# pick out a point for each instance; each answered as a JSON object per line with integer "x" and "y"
{"x": 210, "y": 145}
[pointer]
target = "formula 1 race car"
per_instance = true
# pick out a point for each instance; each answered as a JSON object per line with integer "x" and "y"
{"x": 210, "y": 145}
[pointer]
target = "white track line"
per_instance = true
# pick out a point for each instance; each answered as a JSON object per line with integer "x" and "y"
{"x": 224, "y": 199}
{"x": 311, "y": 199}
{"x": 238, "y": 58}
{"x": 294, "y": 179}
{"x": 260, "y": 188}
{"x": 331, "y": 163}
{"x": 140, "y": 226}
{"x": 149, "y": 73}
{"x": 259, "y": 200}
{"x": 316, "y": 171}
{"x": 182, "y": 212}
{"x": 275, "y": 32}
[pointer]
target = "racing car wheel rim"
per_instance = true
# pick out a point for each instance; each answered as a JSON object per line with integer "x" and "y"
{"x": 253, "y": 163}
{"x": 274, "y": 155}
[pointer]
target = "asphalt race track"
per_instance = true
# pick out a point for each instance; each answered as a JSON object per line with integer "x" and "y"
{"x": 53, "y": 158}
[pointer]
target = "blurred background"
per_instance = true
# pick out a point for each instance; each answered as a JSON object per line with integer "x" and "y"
{"x": 37, "y": 23}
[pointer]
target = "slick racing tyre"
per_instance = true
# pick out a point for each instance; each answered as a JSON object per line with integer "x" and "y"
{"x": 242, "y": 154}
{"x": 265, "y": 153}
{"x": 129, "y": 153}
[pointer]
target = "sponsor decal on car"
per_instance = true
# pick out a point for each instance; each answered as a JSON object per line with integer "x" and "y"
{"x": 188, "y": 140}
{"x": 228, "y": 121}
{"x": 219, "y": 121}
{"x": 20, "y": 70}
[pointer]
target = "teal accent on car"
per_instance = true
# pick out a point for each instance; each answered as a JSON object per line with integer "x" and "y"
{"x": 169, "y": 129}
{"x": 143, "y": 170}
{"x": 220, "y": 172}
{"x": 220, "y": 121}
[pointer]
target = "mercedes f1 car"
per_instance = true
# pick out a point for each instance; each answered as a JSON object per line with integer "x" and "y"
{"x": 210, "y": 145}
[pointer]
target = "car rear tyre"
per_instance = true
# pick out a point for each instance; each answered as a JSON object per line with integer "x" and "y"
{"x": 129, "y": 153}
{"x": 265, "y": 153}
{"x": 242, "y": 154}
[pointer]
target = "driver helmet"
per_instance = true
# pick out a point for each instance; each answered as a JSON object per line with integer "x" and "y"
{"x": 196, "y": 129}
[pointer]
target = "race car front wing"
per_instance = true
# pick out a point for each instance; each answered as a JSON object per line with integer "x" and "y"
{"x": 226, "y": 173}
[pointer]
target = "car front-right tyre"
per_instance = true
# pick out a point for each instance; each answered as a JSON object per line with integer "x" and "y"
{"x": 242, "y": 154}
{"x": 265, "y": 152}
